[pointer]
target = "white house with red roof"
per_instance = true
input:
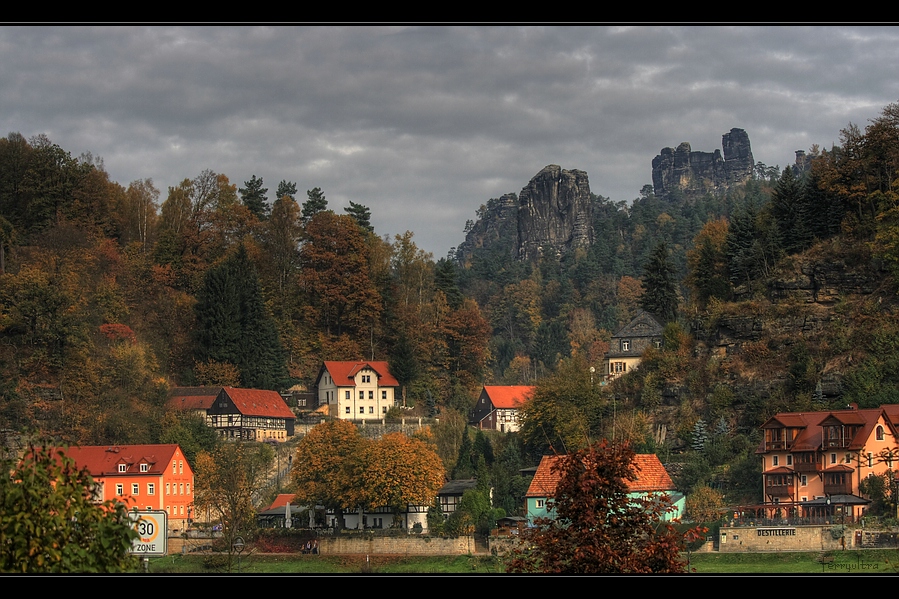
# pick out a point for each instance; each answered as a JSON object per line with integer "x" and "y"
{"x": 356, "y": 390}
{"x": 251, "y": 414}
{"x": 143, "y": 477}
{"x": 498, "y": 407}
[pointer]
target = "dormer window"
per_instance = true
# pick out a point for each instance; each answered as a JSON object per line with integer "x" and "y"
{"x": 625, "y": 345}
{"x": 123, "y": 467}
{"x": 145, "y": 467}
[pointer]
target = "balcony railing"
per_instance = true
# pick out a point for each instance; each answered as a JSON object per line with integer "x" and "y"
{"x": 807, "y": 467}
{"x": 779, "y": 490}
{"x": 838, "y": 488}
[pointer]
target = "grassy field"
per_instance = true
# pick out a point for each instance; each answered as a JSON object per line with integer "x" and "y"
{"x": 843, "y": 563}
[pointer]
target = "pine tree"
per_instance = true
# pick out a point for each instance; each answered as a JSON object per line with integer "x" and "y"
{"x": 361, "y": 214}
{"x": 286, "y": 188}
{"x": 788, "y": 209}
{"x": 660, "y": 285}
{"x": 315, "y": 204}
{"x": 234, "y": 327}
{"x": 253, "y": 197}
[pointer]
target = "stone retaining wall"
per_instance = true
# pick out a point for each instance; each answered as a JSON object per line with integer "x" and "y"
{"x": 736, "y": 539}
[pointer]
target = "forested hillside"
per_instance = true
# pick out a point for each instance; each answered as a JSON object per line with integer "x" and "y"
{"x": 783, "y": 297}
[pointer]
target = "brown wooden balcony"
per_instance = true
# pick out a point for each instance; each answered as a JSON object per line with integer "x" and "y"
{"x": 807, "y": 467}
{"x": 777, "y": 445}
{"x": 838, "y": 488}
{"x": 780, "y": 490}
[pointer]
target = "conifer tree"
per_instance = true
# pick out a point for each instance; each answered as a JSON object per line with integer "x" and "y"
{"x": 660, "y": 285}
{"x": 315, "y": 204}
{"x": 234, "y": 327}
{"x": 253, "y": 197}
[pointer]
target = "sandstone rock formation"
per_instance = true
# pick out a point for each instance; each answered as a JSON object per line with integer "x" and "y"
{"x": 554, "y": 211}
{"x": 698, "y": 173}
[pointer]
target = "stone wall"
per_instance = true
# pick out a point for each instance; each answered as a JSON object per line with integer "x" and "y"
{"x": 736, "y": 539}
{"x": 408, "y": 545}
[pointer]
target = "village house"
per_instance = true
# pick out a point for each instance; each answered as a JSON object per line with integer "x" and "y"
{"x": 653, "y": 481}
{"x": 248, "y": 414}
{"x": 814, "y": 462}
{"x": 143, "y": 477}
{"x": 356, "y": 390}
{"x": 498, "y": 407}
{"x": 275, "y": 516}
{"x": 628, "y": 344}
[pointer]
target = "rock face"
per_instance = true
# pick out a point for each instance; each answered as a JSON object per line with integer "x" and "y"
{"x": 554, "y": 212}
{"x": 698, "y": 173}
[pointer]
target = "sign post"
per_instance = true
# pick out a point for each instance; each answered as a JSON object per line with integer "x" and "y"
{"x": 153, "y": 533}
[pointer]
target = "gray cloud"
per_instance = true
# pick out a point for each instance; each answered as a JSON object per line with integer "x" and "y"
{"x": 424, "y": 124}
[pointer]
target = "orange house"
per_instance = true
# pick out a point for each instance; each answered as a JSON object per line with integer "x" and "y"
{"x": 143, "y": 477}
{"x": 813, "y": 462}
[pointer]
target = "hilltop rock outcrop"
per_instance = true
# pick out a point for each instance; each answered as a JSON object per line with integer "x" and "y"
{"x": 697, "y": 173}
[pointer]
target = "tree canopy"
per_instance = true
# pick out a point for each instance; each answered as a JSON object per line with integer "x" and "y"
{"x": 598, "y": 528}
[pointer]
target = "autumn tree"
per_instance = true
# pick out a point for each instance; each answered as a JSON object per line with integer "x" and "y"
{"x": 599, "y": 528}
{"x": 707, "y": 263}
{"x": 326, "y": 466}
{"x": 399, "y": 471}
{"x": 226, "y": 481}
{"x": 335, "y": 280}
{"x": 50, "y": 523}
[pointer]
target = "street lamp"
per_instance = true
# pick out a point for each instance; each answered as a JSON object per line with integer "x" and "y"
{"x": 238, "y": 546}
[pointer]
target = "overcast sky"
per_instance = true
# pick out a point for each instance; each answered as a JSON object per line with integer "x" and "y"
{"x": 425, "y": 124}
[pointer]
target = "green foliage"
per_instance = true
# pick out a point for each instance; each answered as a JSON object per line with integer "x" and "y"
{"x": 361, "y": 214}
{"x": 660, "y": 285}
{"x": 234, "y": 326}
{"x": 253, "y": 197}
{"x": 315, "y": 203}
{"x": 49, "y": 522}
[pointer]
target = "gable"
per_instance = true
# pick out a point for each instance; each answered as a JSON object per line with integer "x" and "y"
{"x": 644, "y": 324}
{"x": 344, "y": 373}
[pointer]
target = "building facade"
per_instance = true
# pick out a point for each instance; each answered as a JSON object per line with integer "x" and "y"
{"x": 143, "y": 477}
{"x": 814, "y": 462}
{"x": 498, "y": 407}
{"x": 251, "y": 415}
{"x": 628, "y": 344}
{"x": 357, "y": 390}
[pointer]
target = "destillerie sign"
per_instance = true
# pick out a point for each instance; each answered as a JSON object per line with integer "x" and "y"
{"x": 776, "y": 532}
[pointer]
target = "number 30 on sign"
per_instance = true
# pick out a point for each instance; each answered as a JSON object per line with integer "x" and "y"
{"x": 151, "y": 528}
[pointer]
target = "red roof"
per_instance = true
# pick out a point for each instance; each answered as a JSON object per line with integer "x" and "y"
{"x": 344, "y": 373}
{"x": 192, "y": 398}
{"x": 508, "y": 396}
{"x": 281, "y": 500}
{"x": 259, "y": 402}
{"x": 811, "y": 425}
{"x": 651, "y": 476}
{"x": 104, "y": 460}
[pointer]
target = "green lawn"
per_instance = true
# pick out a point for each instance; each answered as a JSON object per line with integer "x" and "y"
{"x": 873, "y": 561}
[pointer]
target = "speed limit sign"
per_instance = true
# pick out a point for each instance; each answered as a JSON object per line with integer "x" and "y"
{"x": 151, "y": 530}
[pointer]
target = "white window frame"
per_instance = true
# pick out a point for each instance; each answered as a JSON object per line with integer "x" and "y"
{"x": 123, "y": 467}
{"x": 151, "y": 488}
{"x": 145, "y": 467}
{"x": 135, "y": 489}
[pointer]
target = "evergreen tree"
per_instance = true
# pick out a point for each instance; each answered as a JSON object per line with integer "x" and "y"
{"x": 403, "y": 363}
{"x": 286, "y": 188}
{"x": 253, "y": 197}
{"x": 446, "y": 279}
{"x": 315, "y": 204}
{"x": 464, "y": 467}
{"x": 660, "y": 285}
{"x": 788, "y": 209}
{"x": 361, "y": 214}
{"x": 234, "y": 327}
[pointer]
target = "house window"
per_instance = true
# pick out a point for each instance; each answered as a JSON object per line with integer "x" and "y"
{"x": 135, "y": 489}
{"x": 346, "y": 394}
{"x": 879, "y": 433}
{"x": 790, "y": 460}
{"x": 371, "y": 394}
{"x": 383, "y": 409}
{"x": 174, "y": 467}
{"x": 123, "y": 468}
{"x": 119, "y": 489}
{"x": 362, "y": 395}
{"x": 803, "y": 481}
{"x": 833, "y": 458}
{"x": 362, "y": 409}
{"x": 145, "y": 467}
{"x": 371, "y": 409}
{"x": 188, "y": 488}
{"x": 870, "y": 460}
{"x": 383, "y": 394}
{"x": 167, "y": 492}
{"x": 347, "y": 409}
{"x": 180, "y": 467}
{"x": 151, "y": 489}
{"x": 626, "y": 345}
{"x": 539, "y": 503}
{"x": 776, "y": 461}
{"x": 182, "y": 488}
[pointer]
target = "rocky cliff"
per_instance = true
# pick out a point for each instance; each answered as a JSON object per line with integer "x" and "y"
{"x": 553, "y": 212}
{"x": 697, "y": 173}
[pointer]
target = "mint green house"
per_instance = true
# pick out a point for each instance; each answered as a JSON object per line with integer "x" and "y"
{"x": 652, "y": 480}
